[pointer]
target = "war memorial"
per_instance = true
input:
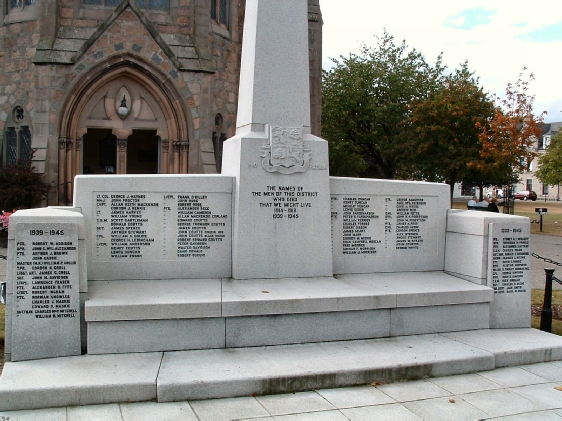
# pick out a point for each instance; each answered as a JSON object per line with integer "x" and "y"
{"x": 270, "y": 277}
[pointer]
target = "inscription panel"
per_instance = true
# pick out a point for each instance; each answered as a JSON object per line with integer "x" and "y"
{"x": 46, "y": 314}
{"x": 386, "y": 232}
{"x": 381, "y": 225}
{"x": 510, "y": 259}
{"x": 285, "y": 201}
{"x": 509, "y": 264}
{"x": 171, "y": 226}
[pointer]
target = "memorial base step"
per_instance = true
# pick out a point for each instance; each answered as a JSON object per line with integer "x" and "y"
{"x": 170, "y": 315}
{"x": 221, "y": 373}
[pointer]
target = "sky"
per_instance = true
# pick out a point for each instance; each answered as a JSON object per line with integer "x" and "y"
{"x": 498, "y": 38}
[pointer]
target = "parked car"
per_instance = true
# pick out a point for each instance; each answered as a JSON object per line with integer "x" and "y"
{"x": 525, "y": 195}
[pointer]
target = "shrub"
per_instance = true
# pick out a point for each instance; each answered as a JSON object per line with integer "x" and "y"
{"x": 21, "y": 186}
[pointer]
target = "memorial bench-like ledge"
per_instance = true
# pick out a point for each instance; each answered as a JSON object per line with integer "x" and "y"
{"x": 161, "y": 315}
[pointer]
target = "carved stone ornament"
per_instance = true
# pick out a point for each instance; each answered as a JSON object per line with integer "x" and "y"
{"x": 285, "y": 152}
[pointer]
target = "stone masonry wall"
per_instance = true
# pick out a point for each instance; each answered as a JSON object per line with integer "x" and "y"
{"x": 43, "y": 65}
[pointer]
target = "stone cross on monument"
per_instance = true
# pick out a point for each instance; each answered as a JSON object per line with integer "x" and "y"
{"x": 281, "y": 204}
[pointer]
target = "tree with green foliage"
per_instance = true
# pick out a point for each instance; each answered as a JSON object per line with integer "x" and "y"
{"x": 550, "y": 164}
{"x": 366, "y": 98}
{"x": 21, "y": 186}
{"x": 441, "y": 133}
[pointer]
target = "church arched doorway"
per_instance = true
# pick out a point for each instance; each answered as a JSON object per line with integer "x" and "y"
{"x": 124, "y": 121}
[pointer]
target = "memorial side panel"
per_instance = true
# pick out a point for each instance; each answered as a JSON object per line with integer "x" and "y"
{"x": 509, "y": 265}
{"x": 46, "y": 308}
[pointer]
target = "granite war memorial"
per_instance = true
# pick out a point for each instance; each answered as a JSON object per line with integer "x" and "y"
{"x": 165, "y": 283}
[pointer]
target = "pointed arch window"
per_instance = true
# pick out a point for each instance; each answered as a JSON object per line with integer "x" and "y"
{"x": 17, "y": 137}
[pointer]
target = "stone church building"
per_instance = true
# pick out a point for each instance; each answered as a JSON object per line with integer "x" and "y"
{"x": 125, "y": 86}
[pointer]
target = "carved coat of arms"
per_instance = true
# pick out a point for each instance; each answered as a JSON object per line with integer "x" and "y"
{"x": 285, "y": 152}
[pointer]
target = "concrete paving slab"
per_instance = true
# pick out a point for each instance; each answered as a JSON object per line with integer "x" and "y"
{"x": 547, "y": 371}
{"x": 445, "y": 409}
{"x": 109, "y": 412}
{"x": 264, "y": 370}
{"x": 511, "y": 402}
{"x": 544, "y": 394}
{"x": 350, "y": 397}
{"x": 81, "y": 380}
{"x": 153, "y": 299}
{"x": 391, "y": 412}
{"x": 465, "y": 383}
{"x": 412, "y": 391}
{"x": 228, "y": 409}
{"x": 314, "y": 416}
{"x": 294, "y": 403}
{"x": 531, "y": 416}
{"x": 513, "y": 346}
{"x": 513, "y": 377}
{"x": 48, "y": 414}
{"x": 153, "y": 411}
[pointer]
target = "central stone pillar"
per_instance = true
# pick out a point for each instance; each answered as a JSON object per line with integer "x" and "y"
{"x": 281, "y": 221}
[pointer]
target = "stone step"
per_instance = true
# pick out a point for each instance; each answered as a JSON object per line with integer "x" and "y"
{"x": 203, "y": 374}
{"x": 170, "y": 315}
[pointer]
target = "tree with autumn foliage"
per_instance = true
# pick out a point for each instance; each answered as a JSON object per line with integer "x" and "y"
{"x": 442, "y": 131}
{"x": 507, "y": 139}
{"x": 365, "y": 99}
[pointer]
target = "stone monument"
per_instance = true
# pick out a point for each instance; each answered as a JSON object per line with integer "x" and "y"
{"x": 281, "y": 205}
{"x": 271, "y": 252}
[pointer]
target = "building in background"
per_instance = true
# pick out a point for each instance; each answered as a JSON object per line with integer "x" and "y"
{"x": 125, "y": 86}
{"x": 528, "y": 180}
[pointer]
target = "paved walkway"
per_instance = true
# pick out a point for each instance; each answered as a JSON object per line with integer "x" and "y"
{"x": 516, "y": 393}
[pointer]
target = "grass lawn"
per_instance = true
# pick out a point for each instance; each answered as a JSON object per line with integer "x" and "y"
{"x": 556, "y": 325}
{"x": 537, "y": 299}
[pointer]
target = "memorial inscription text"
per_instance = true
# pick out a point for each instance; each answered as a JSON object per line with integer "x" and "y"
{"x": 46, "y": 272}
{"x": 510, "y": 259}
{"x": 158, "y": 226}
{"x": 285, "y": 202}
{"x": 379, "y": 225}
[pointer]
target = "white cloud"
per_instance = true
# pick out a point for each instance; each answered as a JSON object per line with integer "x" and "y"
{"x": 496, "y": 47}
